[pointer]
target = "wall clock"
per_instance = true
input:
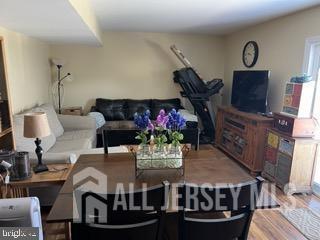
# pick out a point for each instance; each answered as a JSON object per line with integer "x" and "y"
{"x": 250, "y": 54}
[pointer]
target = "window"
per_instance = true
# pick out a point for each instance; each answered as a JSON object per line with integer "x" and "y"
{"x": 312, "y": 67}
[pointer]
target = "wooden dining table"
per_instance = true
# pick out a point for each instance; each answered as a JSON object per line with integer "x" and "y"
{"x": 203, "y": 166}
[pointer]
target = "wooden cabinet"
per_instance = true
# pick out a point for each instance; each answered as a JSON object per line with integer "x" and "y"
{"x": 6, "y": 139}
{"x": 242, "y": 136}
{"x": 289, "y": 162}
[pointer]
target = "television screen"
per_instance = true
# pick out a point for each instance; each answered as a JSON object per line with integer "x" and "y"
{"x": 250, "y": 90}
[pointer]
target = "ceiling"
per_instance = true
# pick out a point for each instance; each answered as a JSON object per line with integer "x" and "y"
{"x": 191, "y": 16}
{"x": 78, "y": 21}
{"x": 56, "y": 21}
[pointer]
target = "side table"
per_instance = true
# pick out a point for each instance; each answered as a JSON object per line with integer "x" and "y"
{"x": 56, "y": 175}
{"x": 72, "y": 111}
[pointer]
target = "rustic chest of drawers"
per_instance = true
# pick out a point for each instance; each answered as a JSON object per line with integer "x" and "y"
{"x": 289, "y": 162}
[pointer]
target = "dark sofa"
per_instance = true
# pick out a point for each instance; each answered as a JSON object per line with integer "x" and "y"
{"x": 119, "y": 114}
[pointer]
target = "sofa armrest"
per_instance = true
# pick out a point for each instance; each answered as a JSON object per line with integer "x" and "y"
{"x": 71, "y": 122}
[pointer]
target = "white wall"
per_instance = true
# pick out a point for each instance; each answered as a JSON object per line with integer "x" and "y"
{"x": 28, "y": 70}
{"x": 281, "y": 46}
{"x": 135, "y": 65}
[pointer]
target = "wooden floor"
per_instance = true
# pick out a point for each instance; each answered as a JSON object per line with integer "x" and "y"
{"x": 267, "y": 224}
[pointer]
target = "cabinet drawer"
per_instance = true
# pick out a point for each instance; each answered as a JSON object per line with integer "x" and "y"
{"x": 284, "y": 161}
{"x": 283, "y": 168}
{"x": 271, "y": 155}
{"x": 282, "y": 177}
{"x": 270, "y": 169}
{"x": 72, "y": 111}
{"x": 286, "y": 146}
{"x": 272, "y": 140}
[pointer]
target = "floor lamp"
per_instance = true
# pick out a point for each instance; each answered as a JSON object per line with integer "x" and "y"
{"x": 59, "y": 64}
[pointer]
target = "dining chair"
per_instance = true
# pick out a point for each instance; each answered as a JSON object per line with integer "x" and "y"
{"x": 217, "y": 212}
{"x": 137, "y": 215}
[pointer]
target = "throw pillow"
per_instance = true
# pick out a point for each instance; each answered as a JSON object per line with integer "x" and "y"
{"x": 99, "y": 118}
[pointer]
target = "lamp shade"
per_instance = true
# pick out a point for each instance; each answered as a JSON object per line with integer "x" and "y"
{"x": 36, "y": 125}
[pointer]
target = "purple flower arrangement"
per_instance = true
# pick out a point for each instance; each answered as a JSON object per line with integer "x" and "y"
{"x": 170, "y": 123}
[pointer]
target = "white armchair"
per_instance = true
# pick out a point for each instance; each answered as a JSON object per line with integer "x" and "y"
{"x": 70, "y": 137}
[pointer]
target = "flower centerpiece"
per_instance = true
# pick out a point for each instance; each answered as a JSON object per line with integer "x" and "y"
{"x": 144, "y": 124}
{"x": 165, "y": 125}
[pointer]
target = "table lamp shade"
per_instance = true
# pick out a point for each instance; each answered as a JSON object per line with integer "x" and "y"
{"x": 36, "y": 125}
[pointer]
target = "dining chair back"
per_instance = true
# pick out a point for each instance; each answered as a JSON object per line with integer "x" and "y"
{"x": 135, "y": 215}
{"x": 217, "y": 212}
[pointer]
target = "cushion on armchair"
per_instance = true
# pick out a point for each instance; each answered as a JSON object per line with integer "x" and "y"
{"x": 112, "y": 109}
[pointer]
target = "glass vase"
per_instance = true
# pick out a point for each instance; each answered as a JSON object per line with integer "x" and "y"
{"x": 174, "y": 157}
{"x": 144, "y": 150}
{"x": 159, "y": 156}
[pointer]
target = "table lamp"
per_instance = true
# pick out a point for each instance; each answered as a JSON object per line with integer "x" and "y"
{"x": 36, "y": 126}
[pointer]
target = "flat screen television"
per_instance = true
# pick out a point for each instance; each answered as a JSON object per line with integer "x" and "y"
{"x": 250, "y": 90}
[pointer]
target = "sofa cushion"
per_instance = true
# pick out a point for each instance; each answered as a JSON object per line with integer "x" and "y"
{"x": 112, "y": 109}
{"x": 70, "y": 146}
{"x": 53, "y": 120}
{"x": 165, "y": 104}
{"x": 139, "y": 106}
{"x": 27, "y": 144}
{"x": 79, "y": 134}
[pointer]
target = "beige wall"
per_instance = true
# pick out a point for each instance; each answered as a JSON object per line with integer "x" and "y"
{"x": 281, "y": 45}
{"x": 135, "y": 65}
{"x": 28, "y": 69}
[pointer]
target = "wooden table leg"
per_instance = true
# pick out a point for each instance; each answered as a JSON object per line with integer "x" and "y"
{"x": 67, "y": 226}
{"x": 63, "y": 229}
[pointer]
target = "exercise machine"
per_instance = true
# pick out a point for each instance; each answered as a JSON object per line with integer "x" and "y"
{"x": 198, "y": 92}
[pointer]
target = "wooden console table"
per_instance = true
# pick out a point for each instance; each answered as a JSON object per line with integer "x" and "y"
{"x": 242, "y": 136}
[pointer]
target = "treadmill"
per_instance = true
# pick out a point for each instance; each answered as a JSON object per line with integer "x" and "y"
{"x": 198, "y": 92}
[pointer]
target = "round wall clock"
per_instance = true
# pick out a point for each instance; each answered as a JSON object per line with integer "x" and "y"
{"x": 250, "y": 54}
